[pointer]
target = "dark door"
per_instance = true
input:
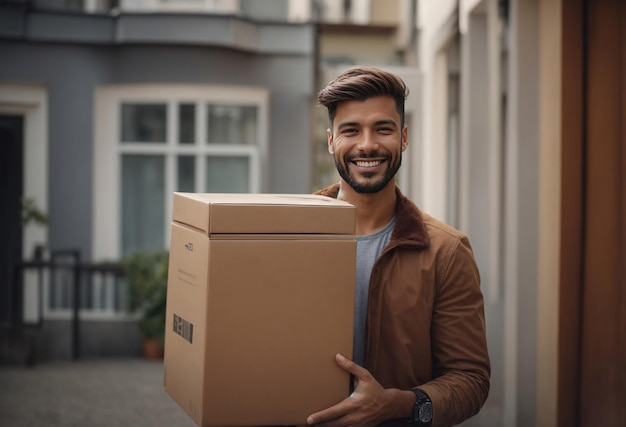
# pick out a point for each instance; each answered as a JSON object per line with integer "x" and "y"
{"x": 592, "y": 345}
{"x": 603, "y": 310}
{"x": 11, "y": 184}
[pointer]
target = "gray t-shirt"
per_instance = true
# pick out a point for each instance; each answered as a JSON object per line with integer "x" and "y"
{"x": 368, "y": 249}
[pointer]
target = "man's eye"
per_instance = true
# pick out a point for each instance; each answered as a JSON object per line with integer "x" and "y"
{"x": 349, "y": 131}
{"x": 385, "y": 130}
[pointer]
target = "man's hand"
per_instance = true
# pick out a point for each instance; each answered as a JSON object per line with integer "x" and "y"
{"x": 369, "y": 404}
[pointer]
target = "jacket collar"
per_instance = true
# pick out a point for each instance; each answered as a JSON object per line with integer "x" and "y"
{"x": 409, "y": 230}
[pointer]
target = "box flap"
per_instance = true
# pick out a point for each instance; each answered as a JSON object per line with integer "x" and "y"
{"x": 216, "y": 213}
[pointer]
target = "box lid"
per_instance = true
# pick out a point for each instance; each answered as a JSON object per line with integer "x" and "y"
{"x": 217, "y": 213}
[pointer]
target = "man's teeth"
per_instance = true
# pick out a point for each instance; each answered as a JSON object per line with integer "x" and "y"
{"x": 368, "y": 164}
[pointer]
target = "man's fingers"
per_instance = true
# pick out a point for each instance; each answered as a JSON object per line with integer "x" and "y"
{"x": 348, "y": 365}
{"x": 340, "y": 413}
{"x": 326, "y": 415}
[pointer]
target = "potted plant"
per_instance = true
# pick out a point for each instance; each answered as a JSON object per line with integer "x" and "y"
{"x": 146, "y": 273}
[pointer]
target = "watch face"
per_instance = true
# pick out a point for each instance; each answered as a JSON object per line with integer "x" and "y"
{"x": 426, "y": 412}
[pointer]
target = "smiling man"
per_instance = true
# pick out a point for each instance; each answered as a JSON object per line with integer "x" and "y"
{"x": 420, "y": 353}
{"x": 362, "y": 124}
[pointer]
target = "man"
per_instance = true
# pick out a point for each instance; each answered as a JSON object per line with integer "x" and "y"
{"x": 420, "y": 352}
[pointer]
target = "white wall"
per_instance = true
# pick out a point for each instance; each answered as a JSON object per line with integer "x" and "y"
{"x": 481, "y": 182}
{"x": 521, "y": 215}
{"x": 550, "y": 16}
{"x": 430, "y": 176}
{"x": 498, "y": 176}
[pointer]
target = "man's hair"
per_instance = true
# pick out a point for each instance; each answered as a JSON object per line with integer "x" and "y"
{"x": 361, "y": 83}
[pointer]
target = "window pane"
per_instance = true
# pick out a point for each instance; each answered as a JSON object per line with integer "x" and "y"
{"x": 144, "y": 122}
{"x": 186, "y": 173}
{"x": 186, "y": 123}
{"x": 143, "y": 201}
{"x": 229, "y": 124}
{"x": 227, "y": 174}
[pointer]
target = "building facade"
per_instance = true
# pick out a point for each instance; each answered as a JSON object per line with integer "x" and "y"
{"x": 112, "y": 109}
{"x": 523, "y": 113}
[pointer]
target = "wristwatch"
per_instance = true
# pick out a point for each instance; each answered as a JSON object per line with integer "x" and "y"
{"x": 423, "y": 409}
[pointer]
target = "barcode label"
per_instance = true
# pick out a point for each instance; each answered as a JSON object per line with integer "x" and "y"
{"x": 183, "y": 328}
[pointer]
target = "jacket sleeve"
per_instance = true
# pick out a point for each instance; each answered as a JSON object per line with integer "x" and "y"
{"x": 461, "y": 367}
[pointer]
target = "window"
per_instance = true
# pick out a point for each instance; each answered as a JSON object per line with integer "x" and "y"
{"x": 153, "y": 141}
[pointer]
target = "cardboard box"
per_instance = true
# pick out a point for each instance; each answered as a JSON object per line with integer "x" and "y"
{"x": 260, "y": 298}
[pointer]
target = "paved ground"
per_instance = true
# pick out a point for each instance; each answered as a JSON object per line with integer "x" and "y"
{"x": 89, "y": 393}
{"x": 108, "y": 393}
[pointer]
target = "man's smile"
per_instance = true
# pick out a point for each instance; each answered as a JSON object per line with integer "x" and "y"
{"x": 367, "y": 163}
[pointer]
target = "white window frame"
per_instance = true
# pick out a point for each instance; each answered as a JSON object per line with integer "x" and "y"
{"x": 108, "y": 149}
{"x": 225, "y": 7}
{"x": 359, "y": 12}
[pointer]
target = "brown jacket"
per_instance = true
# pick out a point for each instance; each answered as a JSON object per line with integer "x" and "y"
{"x": 425, "y": 320}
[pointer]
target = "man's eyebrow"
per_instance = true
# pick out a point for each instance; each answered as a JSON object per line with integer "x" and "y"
{"x": 347, "y": 124}
{"x": 388, "y": 122}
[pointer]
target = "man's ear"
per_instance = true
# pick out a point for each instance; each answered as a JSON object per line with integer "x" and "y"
{"x": 405, "y": 137}
{"x": 329, "y": 136}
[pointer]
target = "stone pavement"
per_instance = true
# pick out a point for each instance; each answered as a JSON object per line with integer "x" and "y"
{"x": 109, "y": 393}
{"x": 88, "y": 393}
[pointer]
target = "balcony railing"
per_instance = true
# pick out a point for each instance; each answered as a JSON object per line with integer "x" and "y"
{"x": 63, "y": 283}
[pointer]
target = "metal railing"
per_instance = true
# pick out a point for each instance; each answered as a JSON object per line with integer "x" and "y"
{"x": 64, "y": 281}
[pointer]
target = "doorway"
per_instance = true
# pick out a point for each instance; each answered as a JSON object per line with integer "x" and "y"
{"x": 11, "y": 191}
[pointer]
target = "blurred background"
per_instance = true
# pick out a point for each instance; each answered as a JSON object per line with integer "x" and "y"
{"x": 517, "y": 128}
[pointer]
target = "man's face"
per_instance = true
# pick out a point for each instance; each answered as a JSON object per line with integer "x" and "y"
{"x": 367, "y": 141}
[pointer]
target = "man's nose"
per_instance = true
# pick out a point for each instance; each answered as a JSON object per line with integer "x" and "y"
{"x": 368, "y": 141}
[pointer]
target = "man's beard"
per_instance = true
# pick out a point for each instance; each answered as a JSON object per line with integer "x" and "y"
{"x": 369, "y": 186}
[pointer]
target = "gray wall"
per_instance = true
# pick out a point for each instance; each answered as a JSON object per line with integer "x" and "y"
{"x": 96, "y": 339}
{"x": 72, "y": 54}
{"x": 266, "y": 10}
{"x": 71, "y": 72}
